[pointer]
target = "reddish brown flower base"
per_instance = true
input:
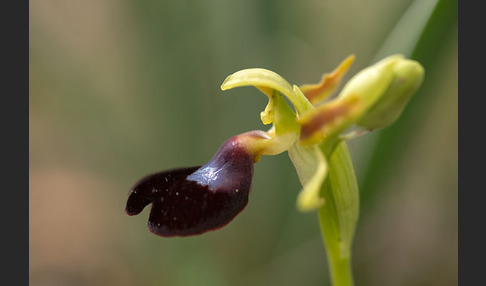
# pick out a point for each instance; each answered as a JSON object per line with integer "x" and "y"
{"x": 191, "y": 201}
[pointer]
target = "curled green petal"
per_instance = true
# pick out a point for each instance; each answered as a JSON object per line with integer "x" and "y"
{"x": 267, "y": 115}
{"x": 408, "y": 76}
{"x": 311, "y": 167}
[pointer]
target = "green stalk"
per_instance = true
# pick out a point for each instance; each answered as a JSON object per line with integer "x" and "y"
{"x": 339, "y": 265}
{"x": 339, "y": 215}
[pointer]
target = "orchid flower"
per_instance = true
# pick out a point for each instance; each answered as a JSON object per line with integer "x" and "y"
{"x": 190, "y": 201}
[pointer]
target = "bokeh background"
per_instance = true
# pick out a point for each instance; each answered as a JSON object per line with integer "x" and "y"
{"x": 120, "y": 89}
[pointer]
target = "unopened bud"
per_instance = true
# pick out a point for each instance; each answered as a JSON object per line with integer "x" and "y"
{"x": 370, "y": 83}
{"x": 408, "y": 75}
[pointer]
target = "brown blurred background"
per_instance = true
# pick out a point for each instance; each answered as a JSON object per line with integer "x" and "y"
{"x": 120, "y": 89}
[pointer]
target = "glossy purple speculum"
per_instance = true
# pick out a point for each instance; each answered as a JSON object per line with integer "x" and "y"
{"x": 191, "y": 201}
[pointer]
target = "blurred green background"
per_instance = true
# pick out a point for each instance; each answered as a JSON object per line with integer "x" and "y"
{"x": 121, "y": 89}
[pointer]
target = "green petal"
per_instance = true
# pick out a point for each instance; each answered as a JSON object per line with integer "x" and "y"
{"x": 311, "y": 167}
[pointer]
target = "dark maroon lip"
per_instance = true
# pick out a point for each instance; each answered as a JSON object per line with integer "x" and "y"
{"x": 194, "y": 200}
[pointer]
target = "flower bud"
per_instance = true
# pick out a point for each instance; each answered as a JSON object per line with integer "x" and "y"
{"x": 370, "y": 83}
{"x": 408, "y": 75}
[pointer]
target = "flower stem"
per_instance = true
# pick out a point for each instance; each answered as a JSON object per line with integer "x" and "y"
{"x": 339, "y": 215}
{"x": 339, "y": 264}
{"x": 341, "y": 272}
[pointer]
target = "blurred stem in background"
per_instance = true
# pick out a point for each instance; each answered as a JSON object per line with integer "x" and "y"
{"x": 420, "y": 43}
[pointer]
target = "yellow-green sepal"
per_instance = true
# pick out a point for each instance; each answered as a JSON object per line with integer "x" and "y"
{"x": 311, "y": 166}
{"x": 266, "y": 81}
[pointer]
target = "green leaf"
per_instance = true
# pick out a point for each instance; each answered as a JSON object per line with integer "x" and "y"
{"x": 406, "y": 33}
